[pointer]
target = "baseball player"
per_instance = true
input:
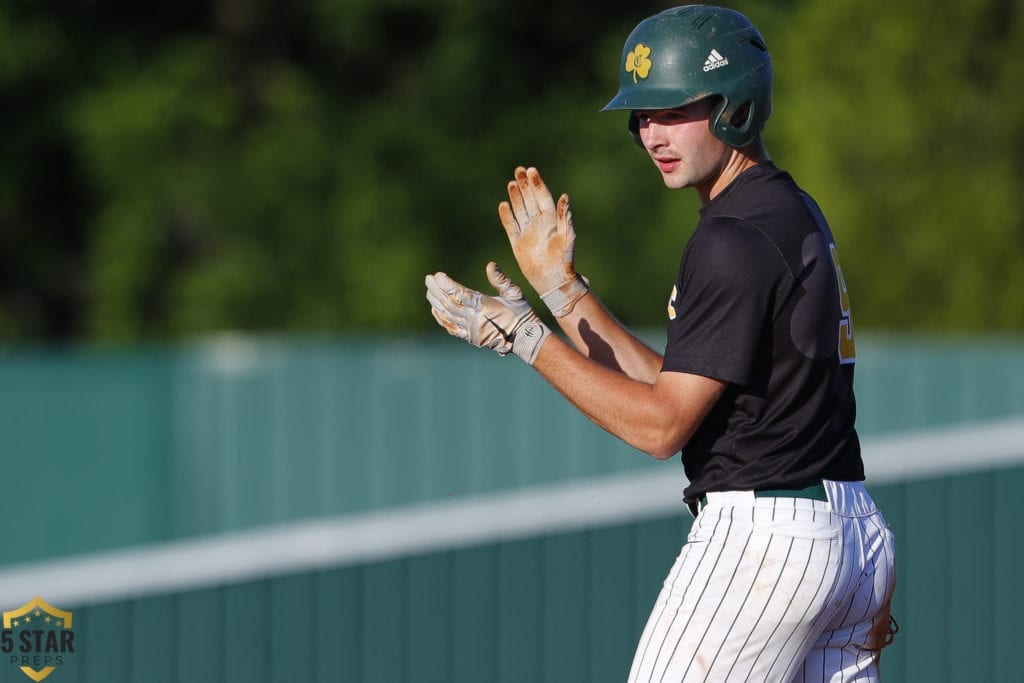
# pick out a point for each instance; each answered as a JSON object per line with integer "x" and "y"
{"x": 788, "y": 571}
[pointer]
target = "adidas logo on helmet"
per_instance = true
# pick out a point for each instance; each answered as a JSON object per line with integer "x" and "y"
{"x": 714, "y": 61}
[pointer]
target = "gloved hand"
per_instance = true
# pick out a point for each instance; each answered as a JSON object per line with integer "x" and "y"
{"x": 543, "y": 240}
{"x": 505, "y": 323}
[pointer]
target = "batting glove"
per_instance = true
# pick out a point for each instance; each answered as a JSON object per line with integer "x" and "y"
{"x": 505, "y": 323}
{"x": 543, "y": 240}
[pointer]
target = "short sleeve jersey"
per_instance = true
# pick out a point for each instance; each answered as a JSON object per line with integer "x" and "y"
{"x": 760, "y": 302}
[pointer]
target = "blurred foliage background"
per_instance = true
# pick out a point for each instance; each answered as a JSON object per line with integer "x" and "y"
{"x": 174, "y": 168}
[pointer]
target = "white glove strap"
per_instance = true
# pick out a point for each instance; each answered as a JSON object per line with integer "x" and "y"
{"x": 563, "y": 298}
{"x": 528, "y": 340}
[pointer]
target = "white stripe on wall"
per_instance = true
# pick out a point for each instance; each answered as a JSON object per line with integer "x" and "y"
{"x": 445, "y": 525}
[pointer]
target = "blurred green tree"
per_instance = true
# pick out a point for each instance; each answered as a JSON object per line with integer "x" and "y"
{"x": 903, "y": 121}
{"x": 257, "y": 165}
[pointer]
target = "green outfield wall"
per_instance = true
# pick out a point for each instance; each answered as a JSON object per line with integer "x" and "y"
{"x": 564, "y": 607}
{"x": 404, "y": 510}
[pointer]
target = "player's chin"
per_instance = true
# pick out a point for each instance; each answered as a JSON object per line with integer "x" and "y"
{"x": 674, "y": 181}
{"x": 672, "y": 175}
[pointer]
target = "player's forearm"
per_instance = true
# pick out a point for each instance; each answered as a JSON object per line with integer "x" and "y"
{"x": 598, "y": 335}
{"x": 628, "y": 408}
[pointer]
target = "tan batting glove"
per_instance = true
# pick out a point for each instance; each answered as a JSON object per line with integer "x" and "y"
{"x": 505, "y": 323}
{"x": 543, "y": 240}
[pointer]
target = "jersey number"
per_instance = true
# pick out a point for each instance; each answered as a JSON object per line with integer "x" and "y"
{"x": 847, "y": 348}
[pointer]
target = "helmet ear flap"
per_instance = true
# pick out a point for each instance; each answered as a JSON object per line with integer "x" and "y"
{"x": 715, "y": 123}
{"x": 734, "y": 126}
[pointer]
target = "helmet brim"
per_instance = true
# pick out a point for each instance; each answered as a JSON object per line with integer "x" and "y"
{"x": 650, "y": 99}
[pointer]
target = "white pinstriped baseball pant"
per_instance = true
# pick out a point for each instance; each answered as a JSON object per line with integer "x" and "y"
{"x": 775, "y": 589}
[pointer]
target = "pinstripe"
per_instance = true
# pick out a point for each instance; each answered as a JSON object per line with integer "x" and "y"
{"x": 887, "y": 563}
{"x": 834, "y": 591}
{"x": 807, "y": 609}
{"x": 850, "y": 589}
{"x": 798, "y": 618}
{"x": 690, "y": 584}
{"x": 740, "y": 611}
{"x": 723, "y": 547}
{"x": 846, "y": 620}
{"x": 817, "y": 593}
{"x": 785, "y": 565}
{"x": 764, "y": 609}
{"x": 654, "y": 622}
{"x": 792, "y": 655}
{"x": 845, "y": 648}
{"x": 648, "y": 630}
{"x": 867, "y": 580}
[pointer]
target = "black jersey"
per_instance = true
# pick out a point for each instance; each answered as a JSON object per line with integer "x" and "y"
{"x": 760, "y": 302}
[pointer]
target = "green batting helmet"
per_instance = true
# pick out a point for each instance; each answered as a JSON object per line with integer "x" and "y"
{"x": 689, "y": 53}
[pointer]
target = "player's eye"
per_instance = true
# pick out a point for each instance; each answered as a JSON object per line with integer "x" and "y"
{"x": 664, "y": 117}
{"x": 674, "y": 116}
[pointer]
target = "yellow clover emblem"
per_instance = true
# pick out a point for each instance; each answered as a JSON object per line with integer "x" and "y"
{"x": 638, "y": 61}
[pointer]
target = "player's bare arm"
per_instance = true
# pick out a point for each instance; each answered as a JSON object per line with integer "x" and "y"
{"x": 656, "y": 417}
{"x": 598, "y": 335}
{"x": 543, "y": 241}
